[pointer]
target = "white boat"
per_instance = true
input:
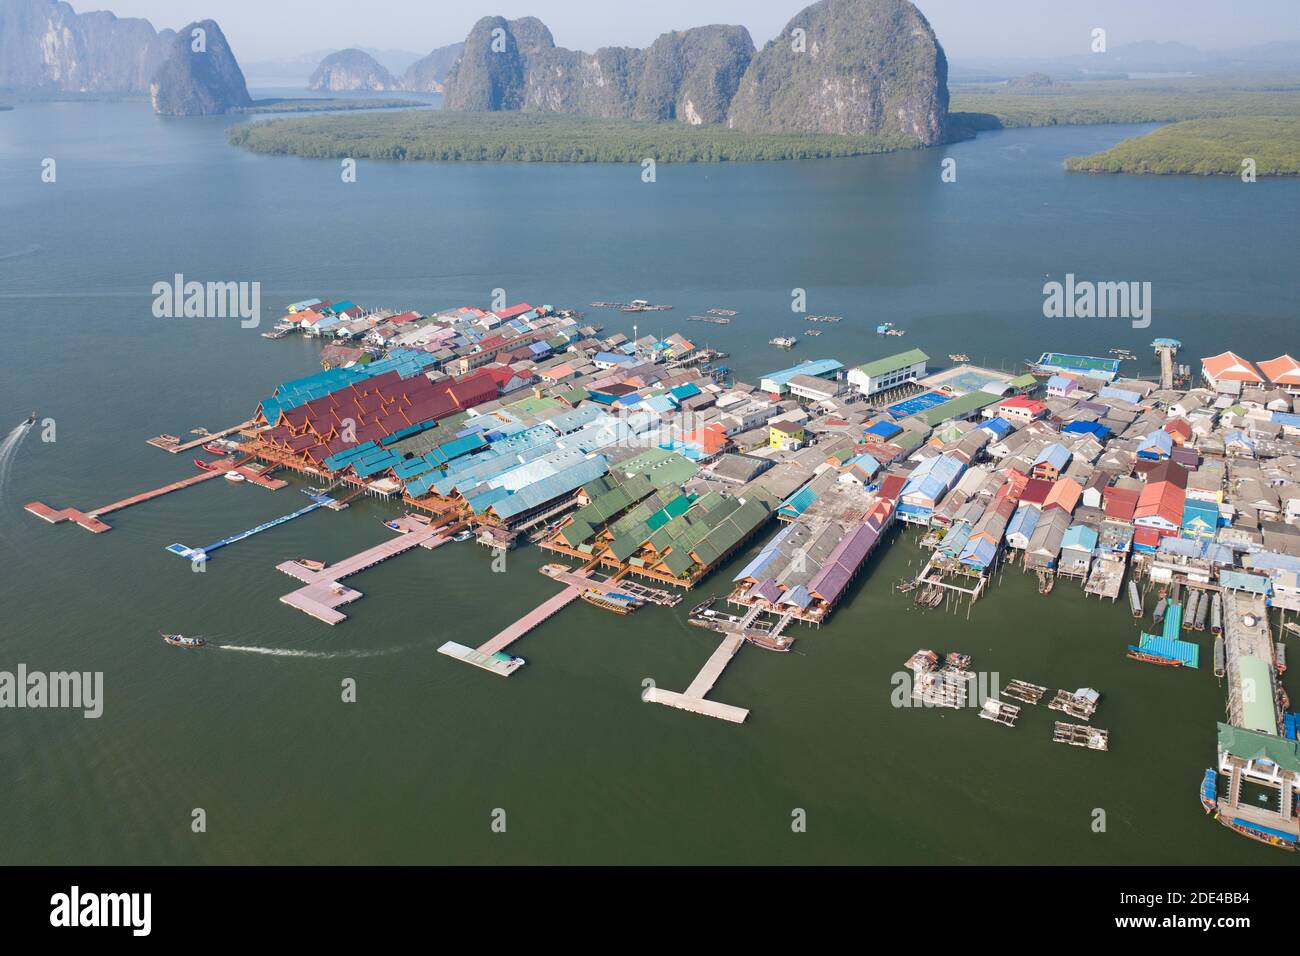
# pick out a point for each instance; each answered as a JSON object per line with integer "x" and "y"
{"x": 782, "y": 341}
{"x": 465, "y": 535}
{"x": 234, "y": 476}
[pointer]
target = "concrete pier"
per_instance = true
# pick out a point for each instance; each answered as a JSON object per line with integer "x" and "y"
{"x": 693, "y": 699}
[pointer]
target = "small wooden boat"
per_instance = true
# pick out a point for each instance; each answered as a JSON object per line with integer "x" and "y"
{"x": 180, "y": 640}
{"x": 311, "y": 564}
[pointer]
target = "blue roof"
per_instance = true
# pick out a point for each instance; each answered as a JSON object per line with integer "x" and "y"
{"x": 1060, "y": 382}
{"x": 1160, "y": 440}
{"x": 979, "y": 552}
{"x": 1087, "y": 428}
{"x": 1057, "y": 455}
{"x": 796, "y": 504}
{"x": 865, "y": 462}
{"x": 1240, "y": 581}
{"x": 998, "y": 425}
{"x": 1024, "y": 521}
{"x": 882, "y": 429}
{"x": 1079, "y": 537}
{"x": 820, "y": 367}
{"x": 613, "y": 358}
{"x": 1123, "y": 394}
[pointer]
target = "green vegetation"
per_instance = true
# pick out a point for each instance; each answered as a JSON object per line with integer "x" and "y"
{"x": 326, "y": 105}
{"x": 1124, "y": 101}
{"x": 534, "y": 137}
{"x": 1208, "y": 147}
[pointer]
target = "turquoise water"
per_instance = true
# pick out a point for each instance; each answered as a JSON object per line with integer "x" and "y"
{"x": 412, "y": 771}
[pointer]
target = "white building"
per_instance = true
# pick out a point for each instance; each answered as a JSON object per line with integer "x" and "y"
{"x": 889, "y": 372}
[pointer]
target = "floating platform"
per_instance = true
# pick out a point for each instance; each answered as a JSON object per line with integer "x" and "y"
{"x": 999, "y": 712}
{"x": 1024, "y": 692}
{"x": 503, "y": 665}
{"x": 1081, "y": 735}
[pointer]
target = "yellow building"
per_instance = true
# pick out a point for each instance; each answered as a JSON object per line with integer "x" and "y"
{"x": 785, "y": 435}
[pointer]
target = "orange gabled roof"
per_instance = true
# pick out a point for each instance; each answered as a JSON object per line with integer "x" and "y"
{"x": 1283, "y": 370}
{"x": 1231, "y": 367}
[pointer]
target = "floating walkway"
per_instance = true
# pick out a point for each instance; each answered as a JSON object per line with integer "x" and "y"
{"x": 322, "y": 594}
{"x": 191, "y": 554}
{"x": 90, "y": 520}
{"x": 693, "y": 699}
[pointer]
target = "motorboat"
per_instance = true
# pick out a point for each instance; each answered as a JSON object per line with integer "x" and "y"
{"x": 180, "y": 640}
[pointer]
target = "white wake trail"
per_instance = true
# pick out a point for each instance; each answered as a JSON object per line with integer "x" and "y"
{"x": 9, "y": 450}
{"x": 285, "y": 652}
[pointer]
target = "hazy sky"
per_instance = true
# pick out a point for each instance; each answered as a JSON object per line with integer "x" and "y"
{"x": 266, "y": 29}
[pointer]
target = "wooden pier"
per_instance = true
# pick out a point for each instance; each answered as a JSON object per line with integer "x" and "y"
{"x": 532, "y": 619}
{"x": 693, "y": 699}
{"x": 322, "y": 594}
{"x": 90, "y": 520}
{"x": 170, "y": 443}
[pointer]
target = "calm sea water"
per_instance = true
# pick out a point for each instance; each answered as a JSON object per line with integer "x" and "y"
{"x": 584, "y": 771}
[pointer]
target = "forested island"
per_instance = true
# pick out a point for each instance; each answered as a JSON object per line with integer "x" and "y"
{"x": 1123, "y": 101}
{"x": 327, "y": 105}
{"x": 536, "y": 137}
{"x": 1207, "y": 147}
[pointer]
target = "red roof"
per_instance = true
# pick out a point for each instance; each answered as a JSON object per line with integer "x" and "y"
{"x": 1120, "y": 503}
{"x": 512, "y": 311}
{"x": 1036, "y": 491}
{"x": 1283, "y": 370}
{"x": 1033, "y": 406}
{"x": 1231, "y": 367}
{"x": 1163, "y": 500}
{"x": 891, "y": 486}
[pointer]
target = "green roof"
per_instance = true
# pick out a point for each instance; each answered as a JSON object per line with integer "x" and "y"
{"x": 662, "y": 467}
{"x": 1250, "y": 745}
{"x": 958, "y": 407}
{"x": 908, "y": 441}
{"x": 1023, "y": 381}
{"x": 1256, "y": 694}
{"x": 892, "y": 363}
{"x": 532, "y": 405}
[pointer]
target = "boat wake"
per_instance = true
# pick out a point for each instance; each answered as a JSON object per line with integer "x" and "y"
{"x": 9, "y": 450}
{"x": 319, "y": 655}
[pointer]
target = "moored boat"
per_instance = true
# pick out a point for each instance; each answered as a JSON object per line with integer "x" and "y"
{"x": 1136, "y": 653}
{"x": 234, "y": 476}
{"x": 1209, "y": 797}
